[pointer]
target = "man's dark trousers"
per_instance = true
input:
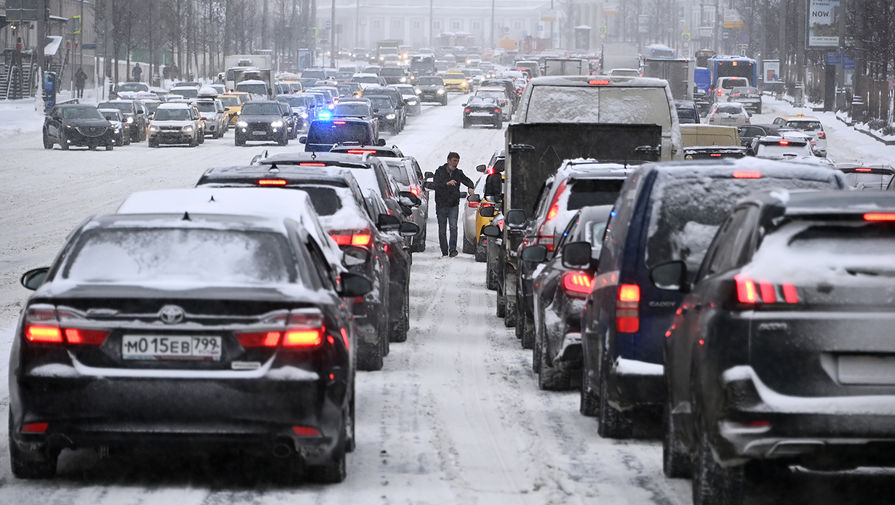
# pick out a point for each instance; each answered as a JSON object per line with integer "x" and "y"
{"x": 447, "y": 216}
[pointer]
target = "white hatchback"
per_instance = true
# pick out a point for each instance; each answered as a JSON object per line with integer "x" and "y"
{"x": 728, "y": 114}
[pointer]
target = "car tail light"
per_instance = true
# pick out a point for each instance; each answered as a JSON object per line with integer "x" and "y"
{"x": 306, "y": 431}
{"x": 271, "y": 182}
{"x": 547, "y": 240}
{"x": 415, "y": 190}
{"x": 627, "y": 309}
{"x": 356, "y": 238}
{"x": 863, "y": 170}
{"x": 752, "y": 294}
{"x": 46, "y": 325}
{"x": 720, "y": 91}
{"x": 259, "y": 339}
{"x": 577, "y": 284}
{"x": 80, "y": 336}
{"x": 598, "y": 82}
{"x": 473, "y": 205}
{"x": 361, "y": 151}
{"x": 497, "y": 111}
{"x": 466, "y": 109}
{"x": 339, "y": 122}
{"x": 747, "y": 174}
{"x": 879, "y": 216}
{"x": 304, "y": 329}
{"x": 43, "y": 334}
{"x": 821, "y": 135}
{"x": 35, "y": 427}
{"x": 312, "y": 164}
{"x": 783, "y": 142}
{"x": 715, "y": 155}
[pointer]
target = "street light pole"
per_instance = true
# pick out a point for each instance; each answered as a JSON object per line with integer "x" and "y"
{"x": 332, "y": 36}
{"x": 431, "y": 16}
{"x": 493, "y": 46}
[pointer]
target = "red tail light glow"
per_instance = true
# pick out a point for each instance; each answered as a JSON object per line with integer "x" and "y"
{"x": 473, "y": 205}
{"x": 598, "y": 82}
{"x": 312, "y": 164}
{"x": 720, "y": 91}
{"x": 361, "y": 151}
{"x": 577, "y": 284}
{"x": 715, "y": 155}
{"x": 784, "y": 142}
{"x": 879, "y": 216}
{"x": 466, "y": 109}
{"x": 415, "y": 190}
{"x": 547, "y": 239}
{"x": 35, "y": 427}
{"x": 750, "y": 293}
{"x": 259, "y": 339}
{"x": 303, "y": 338}
{"x": 359, "y": 238}
{"x": 271, "y": 182}
{"x": 863, "y": 170}
{"x": 85, "y": 337}
{"x": 746, "y": 292}
{"x": 43, "y": 334}
{"x": 305, "y": 431}
{"x": 627, "y": 311}
{"x": 821, "y": 135}
{"x": 339, "y": 122}
{"x": 747, "y": 174}
{"x": 497, "y": 111}
{"x": 305, "y": 329}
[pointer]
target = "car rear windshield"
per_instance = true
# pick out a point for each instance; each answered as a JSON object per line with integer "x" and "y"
{"x": 366, "y": 79}
{"x": 380, "y": 102}
{"x": 686, "y": 212}
{"x": 325, "y": 199}
{"x": 351, "y": 109}
{"x": 587, "y": 192}
{"x": 188, "y": 255}
{"x": 805, "y": 126}
{"x": 133, "y": 86}
{"x": 729, "y": 108}
{"x": 187, "y": 92}
{"x": 229, "y": 101}
{"x": 776, "y": 151}
{"x": 178, "y": 114}
{"x": 295, "y": 101}
{"x": 206, "y": 106}
{"x": 399, "y": 171}
{"x": 868, "y": 180}
{"x": 333, "y": 133}
{"x": 497, "y": 95}
{"x": 111, "y": 116}
{"x": 255, "y": 89}
{"x": 261, "y": 109}
{"x": 391, "y": 71}
{"x": 122, "y": 106}
{"x": 599, "y": 104}
{"x": 454, "y": 76}
{"x": 733, "y": 83}
{"x": 687, "y": 115}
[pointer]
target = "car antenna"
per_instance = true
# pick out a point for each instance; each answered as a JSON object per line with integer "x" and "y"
{"x": 212, "y": 199}
{"x": 314, "y": 156}
{"x": 186, "y": 216}
{"x": 273, "y": 167}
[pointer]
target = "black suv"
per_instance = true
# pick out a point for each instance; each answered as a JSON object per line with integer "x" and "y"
{"x": 432, "y": 89}
{"x": 77, "y": 125}
{"x": 261, "y": 120}
{"x": 134, "y": 114}
{"x": 397, "y": 100}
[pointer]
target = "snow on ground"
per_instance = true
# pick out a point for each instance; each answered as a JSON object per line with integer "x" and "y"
{"x": 455, "y": 417}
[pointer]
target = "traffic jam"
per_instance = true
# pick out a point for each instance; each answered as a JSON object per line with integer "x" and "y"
{"x": 631, "y": 294}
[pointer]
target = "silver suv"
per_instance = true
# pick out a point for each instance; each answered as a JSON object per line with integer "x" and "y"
{"x": 176, "y": 123}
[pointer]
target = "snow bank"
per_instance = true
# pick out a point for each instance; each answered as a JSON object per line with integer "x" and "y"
{"x": 20, "y": 116}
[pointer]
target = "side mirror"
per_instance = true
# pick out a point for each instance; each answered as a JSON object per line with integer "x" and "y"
{"x": 303, "y": 139}
{"x": 576, "y": 255}
{"x": 415, "y": 200}
{"x": 380, "y": 142}
{"x": 386, "y": 222}
{"x": 429, "y": 185}
{"x": 428, "y": 175}
{"x": 409, "y": 229}
{"x": 353, "y": 256}
{"x": 491, "y": 231}
{"x": 515, "y": 218}
{"x": 354, "y": 285}
{"x": 489, "y": 211}
{"x": 407, "y": 211}
{"x": 33, "y": 279}
{"x": 474, "y": 198}
{"x": 670, "y": 276}
{"x": 480, "y": 168}
{"x": 534, "y": 253}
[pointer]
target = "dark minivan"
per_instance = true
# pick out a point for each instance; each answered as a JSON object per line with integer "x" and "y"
{"x": 665, "y": 212}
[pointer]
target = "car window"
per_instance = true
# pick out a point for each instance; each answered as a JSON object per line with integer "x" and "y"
{"x": 261, "y": 109}
{"x": 805, "y": 126}
{"x": 164, "y": 114}
{"x": 570, "y": 230}
{"x": 325, "y": 132}
{"x": 729, "y": 108}
{"x": 585, "y": 193}
{"x": 324, "y": 199}
{"x": 731, "y": 236}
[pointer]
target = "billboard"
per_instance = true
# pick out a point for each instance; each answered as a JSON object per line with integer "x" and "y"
{"x": 771, "y": 72}
{"x": 823, "y": 23}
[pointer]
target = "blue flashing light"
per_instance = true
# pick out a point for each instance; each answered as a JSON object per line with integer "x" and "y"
{"x": 324, "y": 114}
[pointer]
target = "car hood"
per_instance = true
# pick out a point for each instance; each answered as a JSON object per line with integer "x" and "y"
{"x": 86, "y": 122}
{"x": 261, "y": 119}
{"x": 172, "y": 123}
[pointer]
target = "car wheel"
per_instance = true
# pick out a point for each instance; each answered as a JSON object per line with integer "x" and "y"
{"x": 524, "y": 330}
{"x": 613, "y": 423}
{"x": 675, "y": 457}
{"x": 399, "y": 331}
{"x": 490, "y": 276}
{"x": 501, "y": 306}
{"x": 589, "y": 404}
{"x": 444, "y": 102}
{"x": 536, "y": 357}
{"x": 465, "y": 124}
{"x": 109, "y": 147}
{"x": 498, "y": 125}
{"x": 92, "y": 148}
{"x": 283, "y": 141}
{"x": 63, "y": 142}
{"x": 193, "y": 142}
{"x": 481, "y": 252}
{"x": 201, "y": 139}
{"x": 550, "y": 378}
{"x": 351, "y": 440}
{"x": 468, "y": 247}
{"x": 48, "y": 144}
{"x": 336, "y": 469}
{"x": 714, "y": 484}
{"x": 509, "y": 318}
{"x": 238, "y": 141}
{"x": 36, "y": 462}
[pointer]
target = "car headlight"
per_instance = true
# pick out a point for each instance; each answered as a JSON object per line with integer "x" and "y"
{"x": 389, "y": 116}
{"x": 276, "y": 124}
{"x": 69, "y": 127}
{"x": 403, "y": 79}
{"x": 242, "y": 124}
{"x": 412, "y": 102}
{"x": 417, "y": 90}
{"x": 153, "y": 129}
{"x": 187, "y": 129}
{"x": 130, "y": 120}
{"x": 304, "y": 115}
{"x": 440, "y": 91}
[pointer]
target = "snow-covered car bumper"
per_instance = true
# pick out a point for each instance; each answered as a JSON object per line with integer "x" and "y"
{"x": 634, "y": 383}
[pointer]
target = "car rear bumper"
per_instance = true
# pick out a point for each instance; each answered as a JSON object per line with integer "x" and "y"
{"x": 489, "y": 119}
{"x": 634, "y": 384}
{"x": 758, "y": 422}
{"x": 255, "y": 409}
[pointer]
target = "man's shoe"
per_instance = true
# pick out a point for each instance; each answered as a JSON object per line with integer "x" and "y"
{"x": 444, "y": 255}
{"x": 453, "y": 253}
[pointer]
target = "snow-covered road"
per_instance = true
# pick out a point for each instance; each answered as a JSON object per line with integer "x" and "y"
{"x": 455, "y": 416}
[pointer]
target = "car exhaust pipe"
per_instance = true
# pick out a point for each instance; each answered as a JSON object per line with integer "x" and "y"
{"x": 282, "y": 449}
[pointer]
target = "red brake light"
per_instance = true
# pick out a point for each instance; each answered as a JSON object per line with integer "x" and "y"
{"x": 305, "y": 329}
{"x": 879, "y": 216}
{"x": 746, "y": 292}
{"x": 720, "y": 90}
{"x": 577, "y": 284}
{"x": 339, "y": 122}
{"x": 627, "y": 312}
{"x": 554, "y": 210}
{"x": 415, "y": 190}
{"x": 271, "y": 182}
{"x": 341, "y": 239}
{"x": 466, "y": 109}
{"x": 35, "y": 427}
{"x": 85, "y": 337}
{"x": 473, "y": 205}
{"x": 43, "y": 334}
{"x": 497, "y": 111}
{"x": 821, "y": 135}
{"x": 361, "y": 239}
{"x": 598, "y": 82}
{"x": 750, "y": 293}
{"x": 747, "y": 174}
{"x": 784, "y": 142}
{"x": 312, "y": 164}
{"x": 303, "y": 338}
{"x": 361, "y": 151}
{"x": 259, "y": 339}
{"x": 715, "y": 155}
{"x": 863, "y": 170}
{"x": 305, "y": 431}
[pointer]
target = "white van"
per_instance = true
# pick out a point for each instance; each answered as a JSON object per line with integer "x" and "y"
{"x": 604, "y": 99}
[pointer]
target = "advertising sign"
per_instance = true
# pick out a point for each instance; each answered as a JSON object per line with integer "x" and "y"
{"x": 771, "y": 69}
{"x": 823, "y": 23}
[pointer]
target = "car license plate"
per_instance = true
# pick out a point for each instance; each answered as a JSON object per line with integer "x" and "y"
{"x": 171, "y": 347}
{"x": 259, "y": 132}
{"x": 866, "y": 369}
{"x": 480, "y": 114}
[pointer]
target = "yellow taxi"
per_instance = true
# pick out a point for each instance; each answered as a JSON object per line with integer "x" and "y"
{"x": 233, "y": 103}
{"x": 455, "y": 80}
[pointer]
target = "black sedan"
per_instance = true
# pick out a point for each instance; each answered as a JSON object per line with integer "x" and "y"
{"x": 261, "y": 121}
{"x": 193, "y": 330}
{"x": 559, "y": 291}
{"x": 77, "y": 125}
{"x": 781, "y": 352}
{"x": 480, "y": 110}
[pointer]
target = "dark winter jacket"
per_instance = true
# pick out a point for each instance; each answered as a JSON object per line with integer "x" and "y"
{"x": 449, "y": 196}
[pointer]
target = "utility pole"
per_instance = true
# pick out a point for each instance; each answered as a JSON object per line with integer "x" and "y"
{"x": 840, "y": 68}
{"x": 332, "y": 36}
{"x": 493, "y": 38}
{"x": 107, "y": 43}
{"x": 431, "y": 16}
{"x": 552, "y": 20}
{"x": 357, "y": 24}
{"x": 42, "y": 20}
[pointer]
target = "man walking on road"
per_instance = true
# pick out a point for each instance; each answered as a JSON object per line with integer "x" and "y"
{"x": 447, "y": 181}
{"x": 80, "y": 81}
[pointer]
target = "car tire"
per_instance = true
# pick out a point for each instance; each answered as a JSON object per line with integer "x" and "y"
{"x": 444, "y": 102}
{"x": 589, "y": 403}
{"x": 509, "y": 318}
{"x": 498, "y": 125}
{"x": 465, "y": 124}
{"x": 613, "y": 423}
{"x": 399, "y": 331}
{"x": 481, "y": 252}
{"x": 109, "y": 147}
{"x": 153, "y": 144}
{"x": 468, "y": 247}
{"x": 501, "y": 306}
{"x": 63, "y": 143}
{"x": 675, "y": 457}
{"x": 193, "y": 142}
{"x": 201, "y": 139}
{"x": 714, "y": 484}
{"x": 48, "y": 144}
{"x": 335, "y": 470}
{"x": 283, "y": 141}
{"x": 550, "y": 378}
{"x": 524, "y": 331}
{"x": 31, "y": 464}
{"x": 238, "y": 141}
{"x": 490, "y": 276}
{"x": 92, "y": 148}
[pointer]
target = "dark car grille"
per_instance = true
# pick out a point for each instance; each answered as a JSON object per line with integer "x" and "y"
{"x": 91, "y": 131}
{"x": 170, "y": 128}
{"x": 259, "y": 126}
